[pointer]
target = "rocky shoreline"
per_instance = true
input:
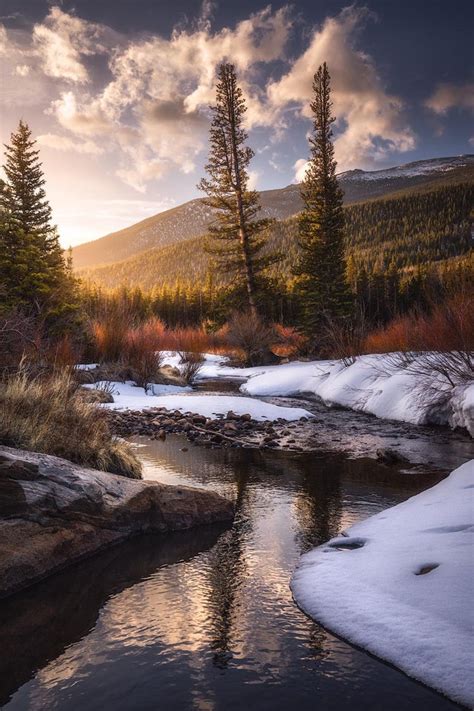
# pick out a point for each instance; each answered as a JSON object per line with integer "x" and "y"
{"x": 54, "y": 513}
{"x": 230, "y": 430}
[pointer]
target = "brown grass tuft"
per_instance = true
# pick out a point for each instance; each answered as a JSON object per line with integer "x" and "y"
{"x": 49, "y": 415}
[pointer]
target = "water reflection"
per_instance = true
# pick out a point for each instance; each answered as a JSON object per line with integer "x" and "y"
{"x": 205, "y": 620}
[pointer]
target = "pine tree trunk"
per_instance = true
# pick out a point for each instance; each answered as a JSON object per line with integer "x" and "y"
{"x": 243, "y": 236}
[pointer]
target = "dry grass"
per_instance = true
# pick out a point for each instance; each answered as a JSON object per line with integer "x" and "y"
{"x": 49, "y": 415}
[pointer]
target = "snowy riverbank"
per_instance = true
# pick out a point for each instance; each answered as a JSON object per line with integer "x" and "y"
{"x": 374, "y": 384}
{"x": 401, "y": 584}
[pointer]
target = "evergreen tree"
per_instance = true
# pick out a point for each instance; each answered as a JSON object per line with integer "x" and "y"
{"x": 33, "y": 271}
{"x": 322, "y": 287}
{"x": 236, "y": 237}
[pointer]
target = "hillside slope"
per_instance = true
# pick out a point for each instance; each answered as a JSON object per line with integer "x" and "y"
{"x": 191, "y": 219}
{"x": 413, "y": 228}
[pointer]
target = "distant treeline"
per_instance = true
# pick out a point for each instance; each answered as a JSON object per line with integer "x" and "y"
{"x": 381, "y": 295}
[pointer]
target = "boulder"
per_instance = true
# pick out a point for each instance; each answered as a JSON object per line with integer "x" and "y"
{"x": 53, "y": 513}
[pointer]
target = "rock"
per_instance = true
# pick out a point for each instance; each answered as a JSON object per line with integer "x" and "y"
{"x": 246, "y": 417}
{"x": 199, "y": 420}
{"x": 391, "y": 457}
{"x": 229, "y": 427}
{"x": 53, "y": 513}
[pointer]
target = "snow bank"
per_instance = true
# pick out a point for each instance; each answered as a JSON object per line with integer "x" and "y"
{"x": 462, "y": 410}
{"x": 401, "y": 585}
{"x": 129, "y": 397}
{"x": 372, "y": 384}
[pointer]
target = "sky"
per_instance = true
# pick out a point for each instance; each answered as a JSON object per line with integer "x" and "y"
{"x": 117, "y": 92}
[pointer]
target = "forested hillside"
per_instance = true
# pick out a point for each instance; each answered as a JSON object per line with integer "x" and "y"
{"x": 192, "y": 218}
{"x": 402, "y": 233}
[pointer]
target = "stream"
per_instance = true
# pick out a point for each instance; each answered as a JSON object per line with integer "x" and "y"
{"x": 205, "y": 619}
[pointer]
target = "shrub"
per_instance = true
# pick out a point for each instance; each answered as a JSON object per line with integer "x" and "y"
{"x": 110, "y": 331}
{"x": 191, "y": 365}
{"x": 194, "y": 340}
{"x": 142, "y": 355}
{"x": 441, "y": 341}
{"x": 289, "y": 341}
{"x": 249, "y": 334}
{"x": 49, "y": 415}
{"x": 447, "y": 326}
{"x": 343, "y": 338}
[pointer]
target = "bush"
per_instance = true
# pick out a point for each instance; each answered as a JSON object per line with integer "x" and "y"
{"x": 49, "y": 415}
{"x": 447, "y": 326}
{"x": 191, "y": 365}
{"x": 289, "y": 341}
{"x": 110, "y": 333}
{"x": 441, "y": 341}
{"x": 142, "y": 355}
{"x": 249, "y": 334}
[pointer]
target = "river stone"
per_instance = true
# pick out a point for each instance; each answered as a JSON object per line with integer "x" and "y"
{"x": 391, "y": 457}
{"x": 53, "y": 513}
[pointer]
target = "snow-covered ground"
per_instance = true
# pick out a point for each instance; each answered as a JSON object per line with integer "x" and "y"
{"x": 374, "y": 384}
{"x": 401, "y": 585}
{"x": 127, "y": 396}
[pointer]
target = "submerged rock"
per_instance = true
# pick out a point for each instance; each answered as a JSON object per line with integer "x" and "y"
{"x": 53, "y": 512}
{"x": 391, "y": 457}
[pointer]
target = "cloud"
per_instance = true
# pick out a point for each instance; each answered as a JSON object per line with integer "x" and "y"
{"x": 62, "y": 40}
{"x": 155, "y": 105}
{"x": 449, "y": 96}
{"x": 254, "y": 176}
{"x": 22, "y": 70}
{"x": 149, "y": 106}
{"x": 63, "y": 143}
{"x": 300, "y": 170}
{"x": 370, "y": 121}
{"x": 87, "y": 119}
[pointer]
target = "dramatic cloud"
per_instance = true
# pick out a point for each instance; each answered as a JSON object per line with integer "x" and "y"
{"x": 144, "y": 100}
{"x": 370, "y": 123}
{"x": 449, "y": 96}
{"x": 155, "y": 105}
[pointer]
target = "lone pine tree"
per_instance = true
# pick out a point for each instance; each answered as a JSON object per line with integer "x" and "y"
{"x": 32, "y": 267}
{"x": 322, "y": 286}
{"x": 236, "y": 236}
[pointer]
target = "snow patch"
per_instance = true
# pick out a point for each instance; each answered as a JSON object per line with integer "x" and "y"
{"x": 127, "y": 396}
{"x": 401, "y": 584}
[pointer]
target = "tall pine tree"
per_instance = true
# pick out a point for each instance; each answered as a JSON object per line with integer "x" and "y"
{"x": 322, "y": 286}
{"x": 33, "y": 271}
{"x": 236, "y": 236}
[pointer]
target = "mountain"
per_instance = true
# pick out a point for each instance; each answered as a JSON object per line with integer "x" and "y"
{"x": 413, "y": 227}
{"x": 191, "y": 219}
